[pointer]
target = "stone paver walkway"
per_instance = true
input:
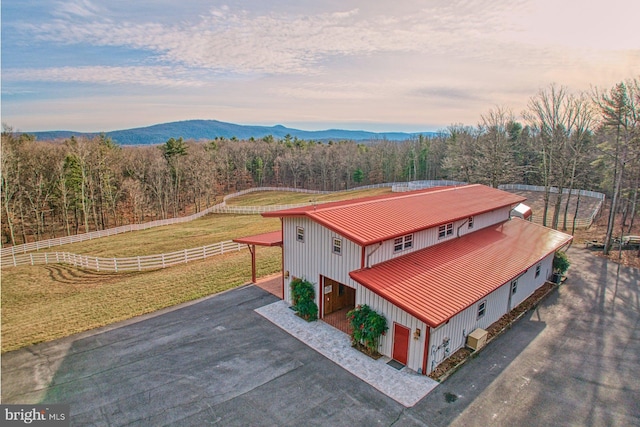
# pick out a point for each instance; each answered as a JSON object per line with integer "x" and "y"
{"x": 404, "y": 386}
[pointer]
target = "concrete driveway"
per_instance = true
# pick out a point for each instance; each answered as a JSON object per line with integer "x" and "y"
{"x": 576, "y": 361}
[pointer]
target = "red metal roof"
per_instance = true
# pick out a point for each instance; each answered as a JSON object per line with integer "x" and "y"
{"x": 375, "y": 219}
{"x": 273, "y": 238}
{"x": 436, "y": 283}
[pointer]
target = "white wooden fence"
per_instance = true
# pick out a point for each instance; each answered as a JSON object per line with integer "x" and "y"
{"x": 138, "y": 263}
{"x": 219, "y": 208}
{"x": 224, "y": 208}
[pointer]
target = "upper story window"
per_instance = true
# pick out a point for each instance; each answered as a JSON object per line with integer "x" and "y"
{"x": 402, "y": 243}
{"x": 300, "y": 234}
{"x": 337, "y": 246}
{"x": 470, "y": 222}
{"x": 445, "y": 230}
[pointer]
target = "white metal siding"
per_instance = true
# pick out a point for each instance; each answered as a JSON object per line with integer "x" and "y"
{"x": 395, "y": 314}
{"x": 464, "y": 323}
{"x": 528, "y": 283}
{"x": 314, "y": 257}
{"x": 424, "y": 239}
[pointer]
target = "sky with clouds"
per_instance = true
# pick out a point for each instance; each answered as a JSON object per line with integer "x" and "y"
{"x": 90, "y": 65}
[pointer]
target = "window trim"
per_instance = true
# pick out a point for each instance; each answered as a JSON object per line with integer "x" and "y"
{"x": 300, "y": 234}
{"x": 445, "y": 230}
{"x": 336, "y": 249}
{"x": 402, "y": 243}
{"x": 482, "y": 308}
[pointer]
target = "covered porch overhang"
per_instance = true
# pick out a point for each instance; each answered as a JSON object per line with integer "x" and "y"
{"x": 273, "y": 238}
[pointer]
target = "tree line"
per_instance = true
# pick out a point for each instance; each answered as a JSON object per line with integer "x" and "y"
{"x": 562, "y": 139}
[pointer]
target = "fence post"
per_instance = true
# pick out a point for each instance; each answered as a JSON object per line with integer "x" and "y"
{"x": 163, "y": 266}
{"x": 115, "y": 264}
{"x": 139, "y": 269}
{"x": 185, "y": 256}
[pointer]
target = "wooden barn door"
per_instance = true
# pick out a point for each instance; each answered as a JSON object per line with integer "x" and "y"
{"x": 337, "y": 296}
{"x": 400, "y": 343}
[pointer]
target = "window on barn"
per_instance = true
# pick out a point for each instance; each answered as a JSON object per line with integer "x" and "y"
{"x": 300, "y": 234}
{"x": 445, "y": 230}
{"x": 537, "y": 270}
{"x": 337, "y": 246}
{"x": 470, "y": 222}
{"x": 482, "y": 308}
{"x": 514, "y": 287}
{"x": 402, "y": 243}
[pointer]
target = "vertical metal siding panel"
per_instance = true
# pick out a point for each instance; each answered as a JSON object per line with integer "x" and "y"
{"x": 426, "y": 238}
{"x": 528, "y": 283}
{"x": 496, "y": 306}
{"x": 464, "y": 323}
{"x": 314, "y": 257}
{"x": 394, "y": 314}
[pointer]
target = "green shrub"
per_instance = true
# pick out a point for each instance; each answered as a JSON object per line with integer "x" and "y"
{"x": 367, "y": 327}
{"x": 303, "y": 298}
{"x": 560, "y": 263}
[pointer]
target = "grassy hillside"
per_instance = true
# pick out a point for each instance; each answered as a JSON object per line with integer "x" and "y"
{"x": 43, "y": 303}
{"x": 204, "y": 231}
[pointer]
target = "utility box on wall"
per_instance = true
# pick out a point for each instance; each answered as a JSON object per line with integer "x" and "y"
{"x": 477, "y": 339}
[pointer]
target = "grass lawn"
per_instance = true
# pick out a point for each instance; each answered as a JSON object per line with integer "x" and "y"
{"x": 269, "y": 198}
{"x": 207, "y": 230}
{"x": 43, "y": 303}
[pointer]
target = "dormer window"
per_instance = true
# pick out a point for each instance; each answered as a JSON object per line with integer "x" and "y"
{"x": 402, "y": 243}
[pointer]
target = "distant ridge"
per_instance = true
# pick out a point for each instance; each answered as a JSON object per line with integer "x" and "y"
{"x": 210, "y": 129}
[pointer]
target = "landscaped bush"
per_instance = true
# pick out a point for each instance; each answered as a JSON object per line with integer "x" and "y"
{"x": 560, "y": 263}
{"x": 367, "y": 326}
{"x": 303, "y": 297}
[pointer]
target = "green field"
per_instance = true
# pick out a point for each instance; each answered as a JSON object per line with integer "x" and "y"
{"x": 270, "y": 198}
{"x": 207, "y": 230}
{"x": 43, "y": 303}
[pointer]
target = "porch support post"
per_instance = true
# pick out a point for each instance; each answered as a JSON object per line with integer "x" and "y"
{"x": 252, "y": 249}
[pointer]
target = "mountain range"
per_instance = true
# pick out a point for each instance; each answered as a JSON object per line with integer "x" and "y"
{"x": 210, "y": 129}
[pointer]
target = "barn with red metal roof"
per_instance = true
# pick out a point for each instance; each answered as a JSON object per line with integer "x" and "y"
{"x": 440, "y": 264}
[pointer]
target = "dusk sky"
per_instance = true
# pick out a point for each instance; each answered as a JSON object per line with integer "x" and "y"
{"x": 374, "y": 65}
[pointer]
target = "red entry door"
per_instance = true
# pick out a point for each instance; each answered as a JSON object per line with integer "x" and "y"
{"x": 400, "y": 343}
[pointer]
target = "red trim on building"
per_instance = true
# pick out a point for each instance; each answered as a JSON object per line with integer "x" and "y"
{"x": 425, "y": 356}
